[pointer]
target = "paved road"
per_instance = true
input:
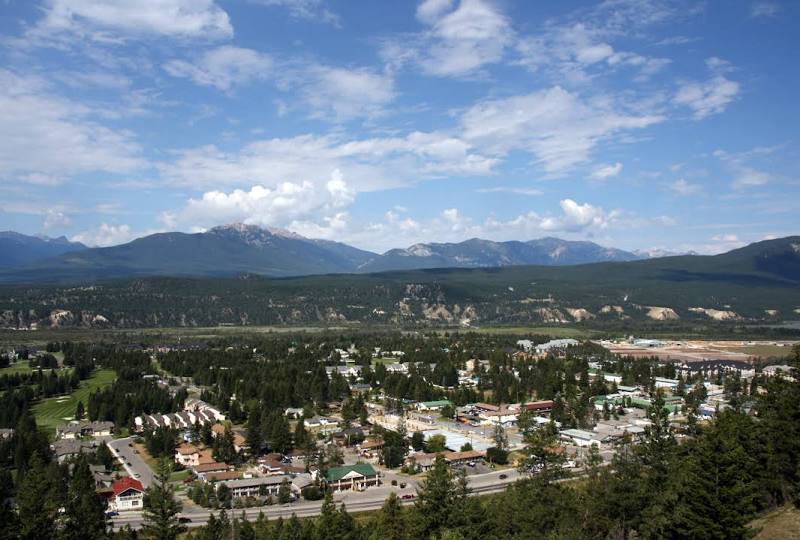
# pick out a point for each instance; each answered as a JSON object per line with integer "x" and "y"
{"x": 370, "y": 499}
{"x": 131, "y": 461}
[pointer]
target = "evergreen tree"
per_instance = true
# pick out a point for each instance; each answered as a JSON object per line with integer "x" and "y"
{"x": 160, "y": 507}
{"x": 85, "y": 508}
{"x": 284, "y": 492}
{"x": 38, "y": 501}
{"x": 390, "y": 523}
{"x": 254, "y": 438}
{"x": 717, "y": 491}
{"x": 79, "y": 411}
{"x": 435, "y": 500}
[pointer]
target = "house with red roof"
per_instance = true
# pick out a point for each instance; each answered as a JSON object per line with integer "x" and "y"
{"x": 126, "y": 494}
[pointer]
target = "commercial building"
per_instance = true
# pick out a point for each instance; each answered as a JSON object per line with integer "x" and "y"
{"x": 356, "y": 477}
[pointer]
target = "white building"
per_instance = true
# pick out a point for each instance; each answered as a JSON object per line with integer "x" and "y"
{"x": 126, "y": 494}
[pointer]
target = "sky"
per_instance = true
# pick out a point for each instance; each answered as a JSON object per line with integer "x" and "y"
{"x": 637, "y": 124}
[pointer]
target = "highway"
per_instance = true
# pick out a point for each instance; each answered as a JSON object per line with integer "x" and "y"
{"x": 368, "y": 500}
{"x": 131, "y": 461}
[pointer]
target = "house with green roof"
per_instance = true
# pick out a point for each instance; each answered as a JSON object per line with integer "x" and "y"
{"x": 356, "y": 477}
{"x": 433, "y": 405}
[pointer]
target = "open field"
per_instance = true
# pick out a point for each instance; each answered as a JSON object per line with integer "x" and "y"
{"x": 21, "y": 366}
{"x": 782, "y": 524}
{"x": 553, "y": 331}
{"x": 53, "y": 411}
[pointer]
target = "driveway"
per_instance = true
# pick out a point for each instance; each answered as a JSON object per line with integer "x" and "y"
{"x": 132, "y": 462}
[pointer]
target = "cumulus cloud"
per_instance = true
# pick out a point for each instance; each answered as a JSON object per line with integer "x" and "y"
{"x": 112, "y": 20}
{"x": 54, "y": 219}
{"x": 105, "y": 235}
{"x": 725, "y": 238}
{"x": 223, "y": 67}
{"x": 603, "y": 172}
{"x": 44, "y": 138}
{"x": 282, "y": 205}
{"x": 459, "y": 39}
{"x": 578, "y": 217}
{"x": 556, "y": 126}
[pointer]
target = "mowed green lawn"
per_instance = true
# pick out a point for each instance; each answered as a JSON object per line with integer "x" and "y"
{"x": 53, "y": 411}
{"x": 20, "y": 366}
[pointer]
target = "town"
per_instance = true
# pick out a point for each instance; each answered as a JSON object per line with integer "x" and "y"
{"x": 224, "y": 427}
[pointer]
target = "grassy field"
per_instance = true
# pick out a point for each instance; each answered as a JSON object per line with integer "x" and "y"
{"x": 21, "y": 366}
{"x": 761, "y": 350}
{"x": 53, "y": 411}
{"x": 782, "y": 524}
{"x": 552, "y": 331}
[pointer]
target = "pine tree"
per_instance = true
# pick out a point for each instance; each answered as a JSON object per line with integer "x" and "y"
{"x": 160, "y": 507}
{"x": 435, "y": 500}
{"x": 85, "y": 508}
{"x": 37, "y": 501}
{"x": 390, "y": 523}
{"x": 79, "y": 411}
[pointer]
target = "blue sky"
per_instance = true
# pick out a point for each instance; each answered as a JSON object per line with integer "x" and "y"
{"x": 641, "y": 124}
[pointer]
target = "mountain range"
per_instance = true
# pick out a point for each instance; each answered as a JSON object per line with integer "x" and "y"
{"x": 756, "y": 283}
{"x": 19, "y": 250}
{"x": 247, "y": 249}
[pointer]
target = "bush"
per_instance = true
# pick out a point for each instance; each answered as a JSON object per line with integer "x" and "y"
{"x": 312, "y": 493}
{"x": 497, "y": 455}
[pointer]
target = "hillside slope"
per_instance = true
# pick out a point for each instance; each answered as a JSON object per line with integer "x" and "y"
{"x": 19, "y": 249}
{"x": 758, "y": 283}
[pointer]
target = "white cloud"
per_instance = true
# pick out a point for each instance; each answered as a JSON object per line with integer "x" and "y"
{"x": 603, "y": 172}
{"x": 282, "y": 205}
{"x": 44, "y": 138}
{"x": 223, "y": 67}
{"x": 744, "y": 174}
{"x": 105, "y": 235}
{"x": 725, "y": 238}
{"x": 764, "y": 9}
{"x": 684, "y": 188}
{"x": 309, "y": 10}
{"x": 55, "y": 219}
{"x": 459, "y": 39}
{"x": 574, "y": 53}
{"x": 713, "y": 96}
{"x": 429, "y": 11}
{"x": 515, "y": 191}
{"x": 556, "y": 126}
{"x": 368, "y": 164}
{"x": 578, "y": 217}
{"x": 111, "y": 20}
{"x": 343, "y": 93}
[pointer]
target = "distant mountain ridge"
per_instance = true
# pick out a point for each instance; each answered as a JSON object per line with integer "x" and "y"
{"x": 238, "y": 248}
{"x": 754, "y": 284}
{"x": 19, "y": 249}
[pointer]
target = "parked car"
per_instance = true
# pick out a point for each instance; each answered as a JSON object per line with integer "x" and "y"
{"x": 183, "y": 519}
{"x": 503, "y": 476}
{"x": 402, "y": 485}
{"x": 407, "y": 496}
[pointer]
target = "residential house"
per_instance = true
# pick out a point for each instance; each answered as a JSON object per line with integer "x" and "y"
{"x": 75, "y": 430}
{"x": 126, "y": 494}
